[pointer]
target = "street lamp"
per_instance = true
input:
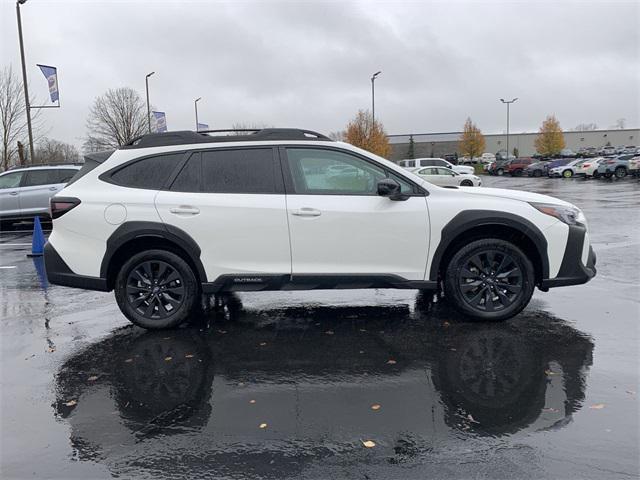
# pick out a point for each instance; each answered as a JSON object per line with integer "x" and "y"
{"x": 373, "y": 95}
{"x": 146, "y": 82}
{"x": 195, "y": 104}
{"x": 24, "y": 79}
{"x": 508, "y": 102}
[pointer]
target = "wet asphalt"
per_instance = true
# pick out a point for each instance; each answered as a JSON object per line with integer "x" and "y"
{"x": 551, "y": 393}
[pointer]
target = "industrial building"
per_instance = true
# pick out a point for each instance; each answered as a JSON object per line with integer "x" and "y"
{"x": 440, "y": 144}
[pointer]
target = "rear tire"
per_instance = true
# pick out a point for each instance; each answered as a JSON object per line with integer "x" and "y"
{"x": 621, "y": 172}
{"x": 500, "y": 172}
{"x": 490, "y": 280}
{"x": 516, "y": 173}
{"x": 537, "y": 173}
{"x": 466, "y": 183}
{"x": 157, "y": 289}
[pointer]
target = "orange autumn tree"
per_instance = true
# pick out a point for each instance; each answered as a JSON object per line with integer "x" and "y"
{"x": 550, "y": 140}
{"x": 368, "y": 134}
{"x": 471, "y": 141}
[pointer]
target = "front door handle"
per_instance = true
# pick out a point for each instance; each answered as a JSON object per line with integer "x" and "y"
{"x": 185, "y": 210}
{"x": 13, "y": 193}
{"x": 53, "y": 188}
{"x": 306, "y": 212}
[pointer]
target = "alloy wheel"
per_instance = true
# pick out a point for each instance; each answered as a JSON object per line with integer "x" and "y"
{"x": 155, "y": 289}
{"x": 490, "y": 281}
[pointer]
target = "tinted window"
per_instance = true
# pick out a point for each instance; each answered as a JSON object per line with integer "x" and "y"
{"x": 316, "y": 171}
{"x": 150, "y": 173}
{"x": 188, "y": 180}
{"x": 41, "y": 177}
{"x": 11, "y": 180}
{"x": 409, "y": 163}
{"x": 426, "y": 163}
{"x": 63, "y": 175}
{"x": 239, "y": 171}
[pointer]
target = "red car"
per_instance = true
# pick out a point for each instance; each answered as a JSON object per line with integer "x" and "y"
{"x": 516, "y": 167}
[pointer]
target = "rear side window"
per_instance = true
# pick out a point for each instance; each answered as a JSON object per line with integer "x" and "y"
{"x": 188, "y": 180}
{"x": 63, "y": 175}
{"x": 41, "y": 177}
{"x": 239, "y": 171}
{"x": 150, "y": 173}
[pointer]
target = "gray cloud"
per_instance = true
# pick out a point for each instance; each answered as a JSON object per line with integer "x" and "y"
{"x": 308, "y": 64}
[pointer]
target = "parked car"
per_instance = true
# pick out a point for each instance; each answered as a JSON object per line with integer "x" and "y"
{"x": 566, "y": 171}
{"x": 630, "y": 150}
{"x": 182, "y": 214}
{"x": 537, "y": 169}
{"x": 634, "y": 166}
{"x": 485, "y": 158}
{"x": 516, "y": 167}
{"x": 25, "y": 191}
{"x": 618, "y": 166}
{"x": 604, "y": 151}
{"x": 436, "y": 162}
{"x": 620, "y": 149}
{"x": 567, "y": 153}
{"x": 445, "y": 177}
{"x": 556, "y": 163}
{"x": 589, "y": 168}
{"x": 502, "y": 155}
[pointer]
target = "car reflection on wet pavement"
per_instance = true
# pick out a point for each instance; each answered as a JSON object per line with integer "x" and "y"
{"x": 291, "y": 384}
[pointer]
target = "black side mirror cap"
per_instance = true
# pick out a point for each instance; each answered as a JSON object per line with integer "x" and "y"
{"x": 390, "y": 188}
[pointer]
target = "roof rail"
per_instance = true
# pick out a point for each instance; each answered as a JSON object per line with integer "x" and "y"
{"x": 46, "y": 164}
{"x": 185, "y": 137}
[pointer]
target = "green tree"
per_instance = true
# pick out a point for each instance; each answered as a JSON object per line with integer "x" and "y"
{"x": 411, "y": 151}
{"x": 516, "y": 152}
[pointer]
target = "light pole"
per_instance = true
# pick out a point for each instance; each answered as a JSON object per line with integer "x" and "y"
{"x": 195, "y": 104}
{"x": 508, "y": 102}
{"x": 373, "y": 96}
{"x": 24, "y": 80}
{"x": 146, "y": 82}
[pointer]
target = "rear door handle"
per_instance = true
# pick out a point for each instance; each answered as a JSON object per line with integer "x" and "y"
{"x": 53, "y": 188}
{"x": 185, "y": 210}
{"x": 13, "y": 193}
{"x": 306, "y": 212}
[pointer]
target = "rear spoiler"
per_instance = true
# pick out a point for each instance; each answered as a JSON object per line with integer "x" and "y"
{"x": 98, "y": 157}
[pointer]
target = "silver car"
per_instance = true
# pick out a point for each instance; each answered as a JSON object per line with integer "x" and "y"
{"x": 25, "y": 191}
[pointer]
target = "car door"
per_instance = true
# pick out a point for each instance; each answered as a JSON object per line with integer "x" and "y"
{"x": 10, "y": 194}
{"x": 232, "y": 203}
{"x": 340, "y": 225}
{"x": 38, "y": 186}
{"x": 447, "y": 177}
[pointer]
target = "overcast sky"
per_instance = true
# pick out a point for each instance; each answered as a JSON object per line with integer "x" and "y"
{"x": 308, "y": 64}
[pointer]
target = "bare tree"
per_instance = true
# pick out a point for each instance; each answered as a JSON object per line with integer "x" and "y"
{"x": 584, "y": 127}
{"x": 53, "y": 151}
{"x": 621, "y": 123}
{"x": 247, "y": 126}
{"x": 13, "y": 118}
{"x": 117, "y": 117}
{"x": 338, "y": 135}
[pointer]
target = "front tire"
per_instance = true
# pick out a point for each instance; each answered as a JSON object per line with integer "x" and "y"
{"x": 621, "y": 172}
{"x": 500, "y": 172}
{"x": 156, "y": 289}
{"x": 490, "y": 280}
{"x": 466, "y": 183}
{"x": 567, "y": 174}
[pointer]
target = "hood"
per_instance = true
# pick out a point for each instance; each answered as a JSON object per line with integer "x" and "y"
{"x": 516, "y": 195}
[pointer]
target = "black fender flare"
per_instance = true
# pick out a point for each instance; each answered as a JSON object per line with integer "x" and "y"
{"x": 468, "y": 219}
{"x": 132, "y": 230}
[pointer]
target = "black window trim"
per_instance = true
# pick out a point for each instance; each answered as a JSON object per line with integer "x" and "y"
{"x": 418, "y": 191}
{"x": 279, "y": 181}
{"x": 108, "y": 175}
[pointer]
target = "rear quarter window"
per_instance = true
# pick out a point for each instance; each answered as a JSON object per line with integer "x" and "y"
{"x": 150, "y": 173}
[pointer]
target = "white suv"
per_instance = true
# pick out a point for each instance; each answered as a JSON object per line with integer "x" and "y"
{"x": 173, "y": 216}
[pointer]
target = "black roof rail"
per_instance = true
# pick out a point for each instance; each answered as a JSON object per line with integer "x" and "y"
{"x": 185, "y": 137}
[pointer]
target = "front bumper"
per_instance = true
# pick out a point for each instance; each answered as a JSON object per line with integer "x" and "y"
{"x": 572, "y": 270}
{"x": 59, "y": 273}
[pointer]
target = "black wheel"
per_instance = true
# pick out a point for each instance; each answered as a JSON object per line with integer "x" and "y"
{"x": 466, "y": 183}
{"x": 567, "y": 173}
{"x": 489, "y": 279}
{"x": 517, "y": 173}
{"x": 537, "y": 173}
{"x": 608, "y": 175}
{"x": 621, "y": 172}
{"x": 596, "y": 174}
{"x": 500, "y": 172}
{"x": 156, "y": 289}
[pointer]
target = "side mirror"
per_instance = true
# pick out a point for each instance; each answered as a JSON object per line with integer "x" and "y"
{"x": 388, "y": 187}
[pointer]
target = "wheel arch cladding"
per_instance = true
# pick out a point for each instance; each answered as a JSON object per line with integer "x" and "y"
{"x": 133, "y": 237}
{"x": 471, "y": 225}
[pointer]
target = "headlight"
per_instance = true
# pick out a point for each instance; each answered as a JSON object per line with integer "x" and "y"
{"x": 568, "y": 215}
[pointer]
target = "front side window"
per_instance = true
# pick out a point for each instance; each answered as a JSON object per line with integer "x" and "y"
{"x": 150, "y": 173}
{"x": 188, "y": 180}
{"x": 11, "y": 180}
{"x": 250, "y": 170}
{"x": 318, "y": 172}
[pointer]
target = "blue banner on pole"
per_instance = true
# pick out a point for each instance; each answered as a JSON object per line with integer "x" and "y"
{"x": 51, "y": 74}
{"x": 203, "y": 126}
{"x": 159, "y": 122}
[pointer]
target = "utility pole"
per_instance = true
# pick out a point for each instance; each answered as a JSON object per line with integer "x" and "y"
{"x": 508, "y": 102}
{"x": 24, "y": 81}
{"x": 195, "y": 104}
{"x": 146, "y": 82}
{"x": 373, "y": 96}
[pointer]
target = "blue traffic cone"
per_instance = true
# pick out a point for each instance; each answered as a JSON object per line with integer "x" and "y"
{"x": 38, "y": 240}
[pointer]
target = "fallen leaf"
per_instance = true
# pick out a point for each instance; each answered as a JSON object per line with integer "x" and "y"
{"x": 391, "y": 362}
{"x": 549, "y": 372}
{"x": 241, "y": 384}
{"x": 262, "y": 344}
{"x": 92, "y": 378}
{"x": 189, "y": 355}
{"x": 252, "y": 401}
{"x": 550, "y": 410}
{"x": 361, "y": 351}
{"x": 375, "y": 406}
{"x": 71, "y": 403}
{"x": 471, "y": 419}
{"x": 446, "y": 324}
{"x": 51, "y": 349}
{"x": 363, "y": 329}
{"x": 128, "y": 360}
{"x": 222, "y": 331}
{"x": 453, "y": 349}
{"x": 168, "y": 359}
{"x": 597, "y": 406}
{"x": 329, "y": 332}
{"x": 167, "y": 338}
{"x": 368, "y": 443}
{"x": 263, "y": 425}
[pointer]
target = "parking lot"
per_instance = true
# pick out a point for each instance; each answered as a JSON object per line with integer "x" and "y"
{"x": 331, "y": 384}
